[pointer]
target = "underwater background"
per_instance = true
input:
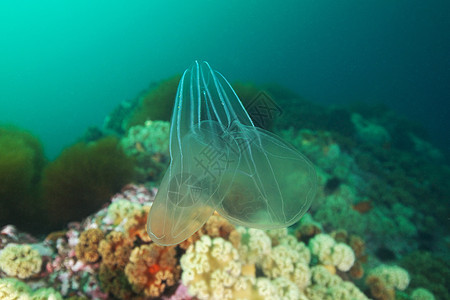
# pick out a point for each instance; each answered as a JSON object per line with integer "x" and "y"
{"x": 76, "y": 61}
{"x": 360, "y": 88}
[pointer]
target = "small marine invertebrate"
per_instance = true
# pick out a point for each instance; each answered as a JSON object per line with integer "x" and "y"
{"x": 135, "y": 227}
{"x": 287, "y": 289}
{"x": 119, "y": 210}
{"x": 21, "y": 261}
{"x": 277, "y": 235}
{"x": 330, "y": 286}
{"x": 331, "y": 253}
{"x": 211, "y": 267}
{"x": 379, "y": 290}
{"x": 363, "y": 206}
{"x": 152, "y": 269}
{"x": 218, "y": 226}
{"x": 384, "y": 280}
{"x": 115, "y": 250}
{"x": 255, "y": 244}
{"x": 289, "y": 260}
{"x": 254, "y": 179}
{"x": 393, "y": 276}
{"x": 307, "y": 228}
{"x": 87, "y": 248}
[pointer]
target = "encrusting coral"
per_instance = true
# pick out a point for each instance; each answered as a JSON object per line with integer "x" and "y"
{"x": 87, "y": 247}
{"x": 21, "y": 261}
{"x": 152, "y": 269}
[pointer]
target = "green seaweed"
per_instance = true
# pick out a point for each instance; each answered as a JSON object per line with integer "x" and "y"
{"x": 83, "y": 178}
{"x": 156, "y": 103}
{"x": 21, "y": 162}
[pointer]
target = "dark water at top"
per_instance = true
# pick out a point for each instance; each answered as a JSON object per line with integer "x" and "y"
{"x": 64, "y": 66}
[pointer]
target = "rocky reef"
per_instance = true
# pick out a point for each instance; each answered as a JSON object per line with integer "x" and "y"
{"x": 376, "y": 230}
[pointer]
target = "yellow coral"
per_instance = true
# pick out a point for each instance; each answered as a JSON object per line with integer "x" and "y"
{"x": 290, "y": 260}
{"x": 218, "y": 226}
{"x": 152, "y": 268}
{"x": 121, "y": 210}
{"x": 87, "y": 248}
{"x": 343, "y": 257}
{"x": 13, "y": 289}
{"x": 329, "y": 252}
{"x": 210, "y": 268}
{"x": 327, "y": 286}
{"x": 384, "y": 280}
{"x": 392, "y": 276}
{"x": 307, "y": 228}
{"x": 115, "y": 250}
{"x": 215, "y": 226}
{"x": 255, "y": 244}
{"x": 136, "y": 226}
{"x": 20, "y": 261}
{"x": 276, "y": 235}
{"x": 321, "y": 276}
{"x": 286, "y": 289}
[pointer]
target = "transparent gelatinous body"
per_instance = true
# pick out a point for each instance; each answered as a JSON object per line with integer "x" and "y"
{"x": 221, "y": 161}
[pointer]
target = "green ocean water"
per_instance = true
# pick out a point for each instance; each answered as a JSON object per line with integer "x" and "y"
{"x": 65, "y": 65}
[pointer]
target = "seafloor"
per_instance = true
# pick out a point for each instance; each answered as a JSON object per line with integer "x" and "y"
{"x": 377, "y": 229}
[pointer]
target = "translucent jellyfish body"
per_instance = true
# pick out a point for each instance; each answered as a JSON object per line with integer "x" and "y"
{"x": 221, "y": 162}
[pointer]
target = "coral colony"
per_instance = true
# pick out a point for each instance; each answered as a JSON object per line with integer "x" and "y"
{"x": 359, "y": 239}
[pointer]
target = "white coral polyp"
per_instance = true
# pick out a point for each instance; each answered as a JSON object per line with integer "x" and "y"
{"x": 329, "y": 252}
{"x": 343, "y": 257}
